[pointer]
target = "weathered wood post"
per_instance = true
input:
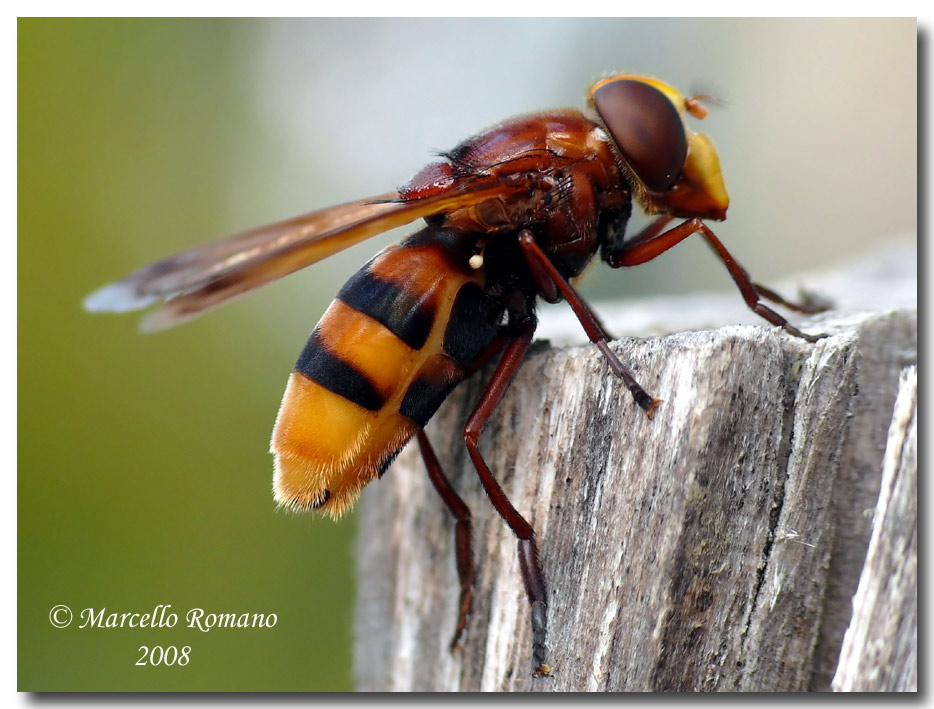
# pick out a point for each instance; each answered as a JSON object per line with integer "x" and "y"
{"x": 715, "y": 547}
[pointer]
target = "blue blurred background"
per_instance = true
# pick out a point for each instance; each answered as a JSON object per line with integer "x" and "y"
{"x": 144, "y": 476}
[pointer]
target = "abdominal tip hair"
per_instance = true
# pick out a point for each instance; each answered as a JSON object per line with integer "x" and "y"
{"x": 323, "y": 501}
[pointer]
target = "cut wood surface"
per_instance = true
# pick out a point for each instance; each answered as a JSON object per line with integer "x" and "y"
{"x": 715, "y": 547}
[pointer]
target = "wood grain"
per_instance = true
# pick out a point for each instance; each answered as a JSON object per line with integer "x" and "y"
{"x": 698, "y": 551}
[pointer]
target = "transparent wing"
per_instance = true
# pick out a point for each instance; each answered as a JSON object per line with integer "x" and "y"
{"x": 196, "y": 281}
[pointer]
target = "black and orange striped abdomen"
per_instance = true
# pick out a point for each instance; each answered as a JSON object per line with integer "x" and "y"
{"x": 398, "y": 338}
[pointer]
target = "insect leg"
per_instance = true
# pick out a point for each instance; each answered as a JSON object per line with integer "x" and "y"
{"x": 650, "y": 243}
{"x": 809, "y": 306}
{"x": 542, "y": 264}
{"x": 462, "y": 527}
{"x": 529, "y": 560}
{"x": 549, "y": 291}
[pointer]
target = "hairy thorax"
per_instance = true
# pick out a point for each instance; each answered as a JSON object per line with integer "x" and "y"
{"x": 557, "y": 175}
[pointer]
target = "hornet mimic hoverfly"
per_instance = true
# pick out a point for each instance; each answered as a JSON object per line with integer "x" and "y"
{"x": 511, "y": 215}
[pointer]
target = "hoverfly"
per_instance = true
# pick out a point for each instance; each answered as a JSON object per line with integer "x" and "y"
{"x": 511, "y": 215}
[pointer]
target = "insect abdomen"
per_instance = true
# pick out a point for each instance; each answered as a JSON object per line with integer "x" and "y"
{"x": 398, "y": 338}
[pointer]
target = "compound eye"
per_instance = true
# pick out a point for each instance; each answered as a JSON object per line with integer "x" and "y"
{"x": 646, "y": 128}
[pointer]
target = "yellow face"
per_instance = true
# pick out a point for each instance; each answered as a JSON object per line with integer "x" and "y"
{"x": 672, "y": 169}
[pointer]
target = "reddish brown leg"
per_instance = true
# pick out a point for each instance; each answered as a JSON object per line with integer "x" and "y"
{"x": 649, "y": 244}
{"x": 649, "y": 232}
{"x": 529, "y": 560}
{"x": 462, "y": 543}
{"x": 808, "y": 307}
{"x": 534, "y": 254}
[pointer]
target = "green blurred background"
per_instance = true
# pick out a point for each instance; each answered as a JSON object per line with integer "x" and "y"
{"x": 144, "y": 476}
